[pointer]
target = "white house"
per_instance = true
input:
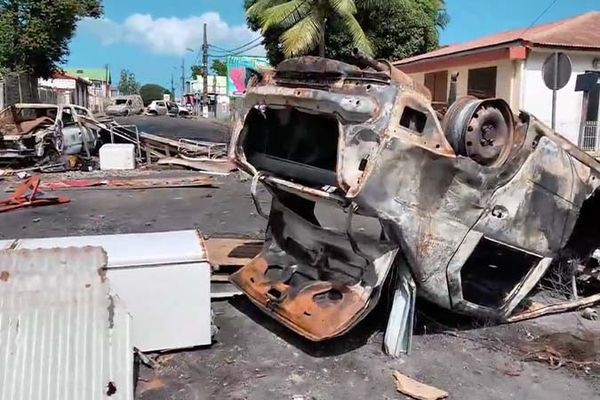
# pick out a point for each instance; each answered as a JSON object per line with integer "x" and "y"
{"x": 509, "y": 65}
{"x": 69, "y": 89}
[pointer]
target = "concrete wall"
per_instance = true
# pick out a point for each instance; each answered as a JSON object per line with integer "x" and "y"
{"x": 507, "y": 79}
{"x": 536, "y": 98}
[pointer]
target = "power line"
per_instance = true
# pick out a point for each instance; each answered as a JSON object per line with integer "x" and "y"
{"x": 540, "y": 16}
{"x": 252, "y": 42}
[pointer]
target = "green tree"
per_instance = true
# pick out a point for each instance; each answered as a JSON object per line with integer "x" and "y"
{"x": 127, "y": 83}
{"x": 151, "y": 92}
{"x": 219, "y": 67}
{"x": 197, "y": 70}
{"x": 407, "y": 28}
{"x": 396, "y": 29}
{"x": 35, "y": 34}
{"x": 304, "y": 22}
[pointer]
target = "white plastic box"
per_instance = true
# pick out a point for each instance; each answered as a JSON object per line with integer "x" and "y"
{"x": 117, "y": 156}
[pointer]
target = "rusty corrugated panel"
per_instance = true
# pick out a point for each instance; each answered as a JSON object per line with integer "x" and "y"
{"x": 62, "y": 335}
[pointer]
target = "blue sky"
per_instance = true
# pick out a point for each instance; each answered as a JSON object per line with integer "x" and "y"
{"x": 150, "y": 37}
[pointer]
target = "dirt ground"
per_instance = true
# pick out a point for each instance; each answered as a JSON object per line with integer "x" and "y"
{"x": 253, "y": 357}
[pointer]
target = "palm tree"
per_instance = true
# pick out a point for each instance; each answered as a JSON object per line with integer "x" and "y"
{"x": 304, "y": 22}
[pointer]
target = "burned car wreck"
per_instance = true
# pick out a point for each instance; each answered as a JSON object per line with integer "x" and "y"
{"x": 370, "y": 185}
{"x": 38, "y": 132}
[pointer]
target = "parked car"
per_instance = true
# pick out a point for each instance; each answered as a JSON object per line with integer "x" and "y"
{"x": 40, "y": 131}
{"x": 178, "y": 110}
{"x": 161, "y": 107}
{"x": 126, "y": 105}
{"x": 157, "y": 107}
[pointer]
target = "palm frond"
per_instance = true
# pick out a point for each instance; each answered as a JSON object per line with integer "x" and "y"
{"x": 358, "y": 35}
{"x": 285, "y": 14}
{"x": 260, "y": 6}
{"x": 343, "y": 6}
{"x": 303, "y": 36}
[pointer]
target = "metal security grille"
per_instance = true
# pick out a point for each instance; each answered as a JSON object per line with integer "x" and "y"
{"x": 590, "y": 141}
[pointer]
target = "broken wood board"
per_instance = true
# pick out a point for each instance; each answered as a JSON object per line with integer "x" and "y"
{"x": 145, "y": 183}
{"x": 417, "y": 390}
{"x": 214, "y": 167}
{"x": 231, "y": 252}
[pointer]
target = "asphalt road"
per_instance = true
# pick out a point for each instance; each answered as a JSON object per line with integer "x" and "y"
{"x": 176, "y": 128}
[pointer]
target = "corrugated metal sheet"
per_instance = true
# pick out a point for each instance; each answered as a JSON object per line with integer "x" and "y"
{"x": 62, "y": 335}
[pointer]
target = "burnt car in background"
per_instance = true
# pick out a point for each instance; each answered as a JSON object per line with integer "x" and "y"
{"x": 369, "y": 184}
{"x": 36, "y": 132}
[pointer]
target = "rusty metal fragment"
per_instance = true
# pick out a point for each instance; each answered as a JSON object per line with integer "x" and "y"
{"x": 479, "y": 201}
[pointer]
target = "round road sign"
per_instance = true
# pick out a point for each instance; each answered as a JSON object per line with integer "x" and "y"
{"x": 557, "y": 71}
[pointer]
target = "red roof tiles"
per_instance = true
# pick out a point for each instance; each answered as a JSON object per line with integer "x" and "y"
{"x": 582, "y": 31}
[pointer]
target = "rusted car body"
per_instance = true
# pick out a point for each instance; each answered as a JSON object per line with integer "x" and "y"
{"x": 39, "y": 131}
{"x": 366, "y": 178}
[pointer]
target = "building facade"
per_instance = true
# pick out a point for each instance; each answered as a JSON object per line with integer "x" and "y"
{"x": 508, "y": 65}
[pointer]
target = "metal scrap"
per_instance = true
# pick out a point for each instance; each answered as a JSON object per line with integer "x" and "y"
{"x": 27, "y": 194}
{"x": 63, "y": 335}
{"x": 480, "y": 201}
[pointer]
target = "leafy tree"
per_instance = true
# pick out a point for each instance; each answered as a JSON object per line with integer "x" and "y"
{"x": 396, "y": 29}
{"x": 197, "y": 70}
{"x": 127, "y": 83}
{"x": 305, "y": 22}
{"x": 151, "y": 92}
{"x": 219, "y": 67}
{"x": 35, "y": 34}
{"x": 407, "y": 28}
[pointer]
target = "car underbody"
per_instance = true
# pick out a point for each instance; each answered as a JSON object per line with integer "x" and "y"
{"x": 370, "y": 184}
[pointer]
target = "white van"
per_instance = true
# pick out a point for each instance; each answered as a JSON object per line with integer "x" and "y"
{"x": 126, "y": 105}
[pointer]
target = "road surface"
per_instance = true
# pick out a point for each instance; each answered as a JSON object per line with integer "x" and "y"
{"x": 176, "y": 128}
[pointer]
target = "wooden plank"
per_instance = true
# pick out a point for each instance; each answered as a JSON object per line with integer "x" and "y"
{"x": 232, "y": 252}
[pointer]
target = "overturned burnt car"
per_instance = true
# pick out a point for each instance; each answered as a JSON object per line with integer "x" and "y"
{"x": 371, "y": 185}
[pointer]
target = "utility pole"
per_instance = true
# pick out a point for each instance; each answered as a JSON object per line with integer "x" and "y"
{"x": 172, "y": 86}
{"x": 205, "y": 75}
{"x": 182, "y": 77}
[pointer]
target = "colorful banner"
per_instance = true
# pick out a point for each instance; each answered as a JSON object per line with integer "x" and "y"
{"x": 237, "y": 74}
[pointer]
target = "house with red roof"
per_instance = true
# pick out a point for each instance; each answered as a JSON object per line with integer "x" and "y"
{"x": 509, "y": 65}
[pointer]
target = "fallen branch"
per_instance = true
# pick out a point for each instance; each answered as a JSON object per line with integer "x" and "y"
{"x": 557, "y": 308}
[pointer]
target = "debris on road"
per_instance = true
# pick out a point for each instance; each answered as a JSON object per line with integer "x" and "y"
{"x": 27, "y": 194}
{"x": 417, "y": 390}
{"x": 134, "y": 183}
{"x": 589, "y": 313}
{"x": 480, "y": 202}
{"x": 227, "y": 256}
{"x": 213, "y": 167}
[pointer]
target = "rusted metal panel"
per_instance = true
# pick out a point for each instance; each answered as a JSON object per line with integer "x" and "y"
{"x": 62, "y": 334}
{"x": 479, "y": 201}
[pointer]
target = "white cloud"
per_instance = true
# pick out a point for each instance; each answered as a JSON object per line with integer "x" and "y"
{"x": 170, "y": 35}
